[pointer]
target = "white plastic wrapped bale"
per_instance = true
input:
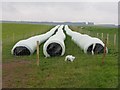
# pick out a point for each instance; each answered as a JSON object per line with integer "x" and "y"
{"x": 87, "y": 43}
{"x": 55, "y": 46}
{"x": 28, "y": 46}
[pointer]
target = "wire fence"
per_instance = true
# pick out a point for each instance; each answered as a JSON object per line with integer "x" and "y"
{"x": 112, "y": 40}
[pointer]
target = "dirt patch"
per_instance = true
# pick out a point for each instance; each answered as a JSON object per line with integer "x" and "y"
{"x": 12, "y": 65}
{"x": 15, "y": 73}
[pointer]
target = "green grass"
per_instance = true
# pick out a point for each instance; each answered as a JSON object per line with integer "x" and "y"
{"x": 0, "y": 31}
{"x": 86, "y": 71}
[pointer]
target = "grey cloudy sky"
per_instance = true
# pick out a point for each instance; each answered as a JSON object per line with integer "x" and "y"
{"x": 98, "y": 12}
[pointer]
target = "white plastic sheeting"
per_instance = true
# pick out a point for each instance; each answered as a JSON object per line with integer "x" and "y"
{"x": 55, "y": 46}
{"x": 87, "y": 43}
{"x": 69, "y": 58}
{"x": 30, "y": 43}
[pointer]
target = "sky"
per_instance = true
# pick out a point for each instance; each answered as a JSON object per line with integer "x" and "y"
{"x": 97, "y": 12}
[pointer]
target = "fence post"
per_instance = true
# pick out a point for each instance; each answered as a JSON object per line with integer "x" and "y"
{"x": 102, "y": 36}
{"x": 88, "y": 32}
{"x": 38, "y": 53}
{"x": 13, "y": 37}
{"x": 104, "y": 51}
{"x": 107, "y": 38}
{"x": 97, "y": 34}
{"x": 115, "y": 40}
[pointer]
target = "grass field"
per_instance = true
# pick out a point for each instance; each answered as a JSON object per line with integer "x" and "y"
{"x": 86, "y": 71}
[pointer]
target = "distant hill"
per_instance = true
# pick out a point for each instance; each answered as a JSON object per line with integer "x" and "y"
{"x": 108, "y": 25}
{"x": 65, "y": 23}
{"x": 48, "y": 23}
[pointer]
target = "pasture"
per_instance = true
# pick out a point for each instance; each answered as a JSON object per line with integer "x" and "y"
{"x": 87, "y": 71}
